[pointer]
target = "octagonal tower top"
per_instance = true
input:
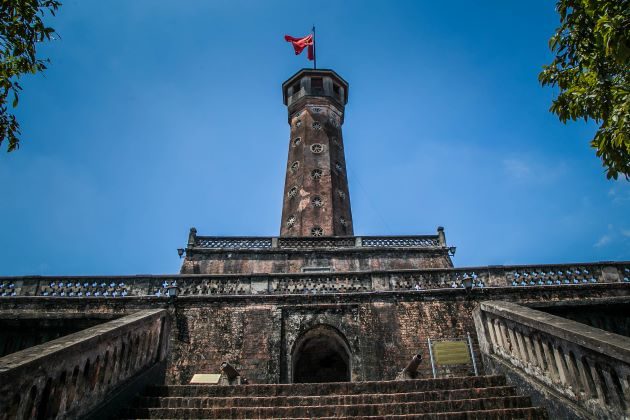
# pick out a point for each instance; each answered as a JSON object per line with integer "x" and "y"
{"x": 311, "y": 82}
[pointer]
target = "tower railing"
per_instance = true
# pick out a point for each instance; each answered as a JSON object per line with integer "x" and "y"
{"x": 321, "y": 242}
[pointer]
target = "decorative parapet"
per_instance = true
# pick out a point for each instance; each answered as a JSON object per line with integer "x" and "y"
{"x": 402, "y": 242}
{"x": 70, "y": 376}
{"x": 589, "y": 366}
{"x": 118, "y": 287}
{"x": 321, "y": 242}
{"x": 210, "y": 242}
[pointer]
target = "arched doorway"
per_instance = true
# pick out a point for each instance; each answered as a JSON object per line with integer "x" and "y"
{"x": 321, "y": 354}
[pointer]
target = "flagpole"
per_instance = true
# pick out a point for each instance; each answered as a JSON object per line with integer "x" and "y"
{"x": 314, "y": 52}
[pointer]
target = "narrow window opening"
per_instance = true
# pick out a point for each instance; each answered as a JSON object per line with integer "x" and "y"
{"x": 336, "y": 90}
{"x": 317, "y": 85}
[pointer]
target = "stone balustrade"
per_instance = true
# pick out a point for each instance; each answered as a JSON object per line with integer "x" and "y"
{"x": 316, "y": 282}
{"x": 589, "y": 366}
{"x": 70, "y": 376}
{"x": 197, "y": 243}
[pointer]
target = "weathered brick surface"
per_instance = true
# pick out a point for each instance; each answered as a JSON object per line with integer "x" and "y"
{"x": 255, "y": 332}
{"x": 258, "y": 339}
{"x": 241, "y": 334}
{"x": 233, "y": 262}
{"x": 382, "y": 330}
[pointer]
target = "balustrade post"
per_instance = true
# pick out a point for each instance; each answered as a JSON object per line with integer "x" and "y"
{"x": 587, "y": 388}
{"x": 59, "y": 396}
{"x": 529, "y": 348}
{"x": 121, "y": 359}
{"x": 192, "y": 237}
{"x": 551, "y": 362}
{"x": 30, "y": 287}
{"x": 441, "y": 236}
{"x": 115, "y": 362}
{"x": 573, "y": 376}
{"x": 558, "y": 357}
{"x": 358, "y": 241}
{"x": 518, "y": 344}
{"x": 612, "y": 389}
{"x": 521, "y": 347}
{"x": 380, "y": 282}
{"x": 108, "y": 367}
{"x": 539, "y": 353}
{"x": 491, "y": 334}
{"x": 500, "y": 334}
{"x": 514, "y": 351}
{"x": 597, "y": 383}
{"x": 505, "y": 339}
{"x": 496, "y": 276}
{"x": 611, "y": 273}
{"x": 625, "y": 388}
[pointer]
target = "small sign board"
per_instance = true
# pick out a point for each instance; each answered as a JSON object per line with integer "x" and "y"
{"x": 205, "y": 378}
{"x": 447, "y": 352}
{"x": 451, "y": 353}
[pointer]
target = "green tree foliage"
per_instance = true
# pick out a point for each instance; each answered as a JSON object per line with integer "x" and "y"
{"x": 21, "y": 28}
{"x": 591, "y": 68}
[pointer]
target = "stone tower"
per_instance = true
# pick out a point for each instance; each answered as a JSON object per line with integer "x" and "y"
{"x": 316, "y": 196}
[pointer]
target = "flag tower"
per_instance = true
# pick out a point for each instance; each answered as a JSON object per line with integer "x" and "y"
{"x": 316, "y": 196}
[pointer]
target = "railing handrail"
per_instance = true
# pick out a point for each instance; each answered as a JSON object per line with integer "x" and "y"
{"x": 587, "y": 366}
{"x": 198, "y": 243}
{"x": 70, "y": 376}
{"x": 309, "y": 274}
{"x": 317, "y": 282}
{"x": 580, "y": 334}
{"x": 109, "y": 329}
{"x": 318, "y": 237}
{"x": 236, "y": 275}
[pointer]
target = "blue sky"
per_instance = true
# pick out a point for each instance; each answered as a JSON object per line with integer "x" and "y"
{"x": 156, "y": 116}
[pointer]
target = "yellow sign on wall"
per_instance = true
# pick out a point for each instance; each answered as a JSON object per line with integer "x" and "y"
{"x": 205, "y": 378}
{"x": 451, "y": 353}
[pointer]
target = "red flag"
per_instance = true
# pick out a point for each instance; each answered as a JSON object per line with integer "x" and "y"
{"x": 300, "y": 43}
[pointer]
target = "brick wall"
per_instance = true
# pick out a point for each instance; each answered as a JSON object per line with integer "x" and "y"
{"x": 233, "y": 262}
{"x": 383, "y": 330}
{"x": 256, "y": 333}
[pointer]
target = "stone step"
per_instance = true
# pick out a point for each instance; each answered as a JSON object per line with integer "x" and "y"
{"x": 362, "y": 410}
{"x": 528, "y": 413}
{"x": 335, "y": 388}
{"x": 312, "y": 400}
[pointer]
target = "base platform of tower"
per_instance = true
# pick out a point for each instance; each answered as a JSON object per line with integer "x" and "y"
{"x": 319, "y": 321}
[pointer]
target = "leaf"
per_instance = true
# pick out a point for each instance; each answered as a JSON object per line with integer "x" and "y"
{"x": 591, "y": 70}
{"x": 21, "y": 29}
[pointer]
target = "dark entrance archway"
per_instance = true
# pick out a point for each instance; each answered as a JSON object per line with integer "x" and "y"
{"x": 321, "y": 354}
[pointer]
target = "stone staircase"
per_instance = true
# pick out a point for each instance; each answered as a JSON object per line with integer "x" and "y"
{"x": 481, "y": 397}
